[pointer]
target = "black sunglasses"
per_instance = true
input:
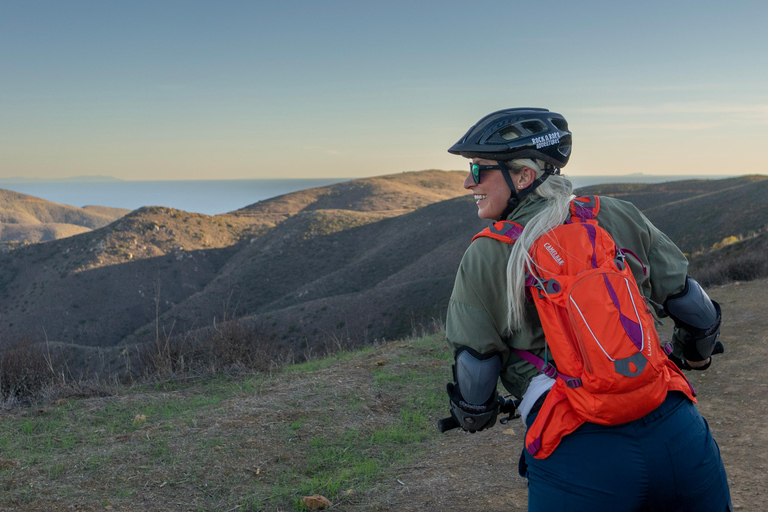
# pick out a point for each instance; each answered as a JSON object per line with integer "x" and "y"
{"x": 477, "y": 169}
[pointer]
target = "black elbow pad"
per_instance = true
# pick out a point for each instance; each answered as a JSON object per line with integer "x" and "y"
{"x": 473, "y": 393}
{"x": 698, "y": 316}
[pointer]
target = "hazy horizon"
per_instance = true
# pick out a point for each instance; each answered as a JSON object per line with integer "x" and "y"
{"x": 107, "y": 179}
{"x": 187, "y": 89}
{"x": 213, "y": 197}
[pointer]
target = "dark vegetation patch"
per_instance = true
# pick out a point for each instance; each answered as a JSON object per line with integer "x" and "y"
{"x": 739, "y": 260}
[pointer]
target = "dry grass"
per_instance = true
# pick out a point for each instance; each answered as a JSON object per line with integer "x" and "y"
{"x": 257, "y": 442}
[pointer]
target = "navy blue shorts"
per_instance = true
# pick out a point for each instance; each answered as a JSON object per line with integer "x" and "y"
{"x": 664, "y": 461}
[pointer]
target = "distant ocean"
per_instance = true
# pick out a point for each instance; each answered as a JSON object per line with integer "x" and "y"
{"x": 212, "y": 197}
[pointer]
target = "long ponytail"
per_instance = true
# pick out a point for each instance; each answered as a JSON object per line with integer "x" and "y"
{"x": 558, "y": 191}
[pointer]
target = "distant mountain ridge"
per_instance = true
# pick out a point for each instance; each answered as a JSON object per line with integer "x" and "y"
{"x": 71, "y": 179}
{"x": 357, "y": 261}
{"x": 29, "y": 218}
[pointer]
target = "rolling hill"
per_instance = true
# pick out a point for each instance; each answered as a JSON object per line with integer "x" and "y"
{"x": 99, "y": 287}
{"x": 25, "y": 218}
{"x": 697, "y": 214}
{"x": 352, "y": 262}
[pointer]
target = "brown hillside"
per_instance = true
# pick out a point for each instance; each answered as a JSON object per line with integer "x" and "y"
{"x": 303, "y": 274}
{"x": 28, "y": 218}
{"x": 372, "y": 281}
{"x": 39, "y": 232}
{"x": 697, "y": 214}
{"x": 95, "y": 288}
{"x": 406, "y": 191}
{"x": 696, "y": 224}
{"x": 98, "y": 287}
{"x": 649, "y": 195}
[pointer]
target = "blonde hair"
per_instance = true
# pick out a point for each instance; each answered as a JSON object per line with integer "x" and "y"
{"x": 558, "y": 192}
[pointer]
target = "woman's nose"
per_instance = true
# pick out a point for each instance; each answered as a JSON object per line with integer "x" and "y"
{"x": 469, "y": 182}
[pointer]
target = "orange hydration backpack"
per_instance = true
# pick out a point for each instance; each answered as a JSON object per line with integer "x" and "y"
{"x": 610, "y": 365}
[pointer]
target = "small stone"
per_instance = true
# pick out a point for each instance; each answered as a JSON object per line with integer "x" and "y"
{"x": 316, "y": 502}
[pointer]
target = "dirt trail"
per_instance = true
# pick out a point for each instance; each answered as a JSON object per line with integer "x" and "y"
{"x": 479, "y": 471}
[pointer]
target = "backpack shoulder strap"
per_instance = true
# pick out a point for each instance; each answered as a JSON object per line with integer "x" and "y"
{"x": 547, "y": 368}
{"x": 585, "y": 208}
{"x": 504, "y": 230}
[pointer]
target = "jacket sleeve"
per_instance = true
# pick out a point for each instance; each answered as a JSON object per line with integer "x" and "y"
{"x": 477, "y": 306}
{"x": 477, "y": 313}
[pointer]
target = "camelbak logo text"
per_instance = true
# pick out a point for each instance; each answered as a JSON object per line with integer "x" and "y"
{"x": 549, "y": 139}
{"x": 551, "y": 250}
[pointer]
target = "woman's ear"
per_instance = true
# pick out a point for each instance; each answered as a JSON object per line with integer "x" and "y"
{"x": 525, "y": 178}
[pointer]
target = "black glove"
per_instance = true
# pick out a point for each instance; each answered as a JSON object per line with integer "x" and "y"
{"x": 470, "y": 417}
{"x": 683, "y": 364}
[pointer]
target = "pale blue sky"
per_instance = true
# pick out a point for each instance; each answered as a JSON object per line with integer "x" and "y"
{"x": 232, "y": 89}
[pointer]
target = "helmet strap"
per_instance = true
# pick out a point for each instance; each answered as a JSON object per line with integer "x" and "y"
{"x": 514, "y": 199}
{"x": 517, "y": 196}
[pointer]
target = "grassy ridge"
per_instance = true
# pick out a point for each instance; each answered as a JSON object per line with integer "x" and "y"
{"x": 334, "y": 426}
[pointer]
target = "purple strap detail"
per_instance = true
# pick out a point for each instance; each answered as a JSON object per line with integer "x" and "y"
{"x": 628, "y": 251}
{"x": 632, "y": 328}
{"x": 668, "y": 348}
{"x": 547, "y": 369}
{"x": 584, "y": 211}
{"x": 530, "y": 280}
{"x": 592, "y": 232}
{"x": 514, "y": 232}
{"x": 535, "y": 446}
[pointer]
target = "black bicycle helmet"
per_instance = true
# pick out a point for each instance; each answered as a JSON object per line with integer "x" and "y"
{"x": 518, "y": 133}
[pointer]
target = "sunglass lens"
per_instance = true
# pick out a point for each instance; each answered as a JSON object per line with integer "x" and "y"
{"x": 475, "y": 170}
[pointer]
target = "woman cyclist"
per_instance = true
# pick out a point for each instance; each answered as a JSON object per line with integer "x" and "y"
{"x": 663, "y": 460}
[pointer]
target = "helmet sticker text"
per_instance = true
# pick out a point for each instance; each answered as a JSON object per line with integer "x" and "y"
{"x": 549, "y": 139}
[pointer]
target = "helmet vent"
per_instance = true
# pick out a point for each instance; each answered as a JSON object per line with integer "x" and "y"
{"x": 560, "y": 124}
{"x": 510, "y": 133}
{"x": 534, "y": 127}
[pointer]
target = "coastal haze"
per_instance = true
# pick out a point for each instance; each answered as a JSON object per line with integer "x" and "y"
{"x": 212, "y": 197}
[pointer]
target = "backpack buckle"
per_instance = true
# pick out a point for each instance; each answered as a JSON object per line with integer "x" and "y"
{"x": 548, "y": 286}
{"x": 550, "y": 371}
{"x": 573, "y": 382}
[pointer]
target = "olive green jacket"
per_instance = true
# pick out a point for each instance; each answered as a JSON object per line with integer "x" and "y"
{"x": 477, "y": 311}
